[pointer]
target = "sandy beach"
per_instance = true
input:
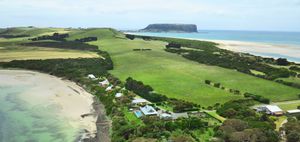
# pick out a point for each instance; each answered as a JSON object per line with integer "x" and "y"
{"x": 69, "y": 100}
{"x": 261, "y": 49}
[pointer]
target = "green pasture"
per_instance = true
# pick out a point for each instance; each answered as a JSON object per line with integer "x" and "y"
{"x": 174, "y": 76}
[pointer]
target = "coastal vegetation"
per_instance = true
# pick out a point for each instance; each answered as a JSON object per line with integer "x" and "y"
{"x": 244, "y": 124}
{"x": 63, "y": 45}
{"x": 72, "y": 69}
{"x": 215, "y": 88}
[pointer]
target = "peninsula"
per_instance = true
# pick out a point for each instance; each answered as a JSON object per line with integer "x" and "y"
{"x": 182, "y": 28}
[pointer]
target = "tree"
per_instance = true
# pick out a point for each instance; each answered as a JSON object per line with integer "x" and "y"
{"x": 282, "y": 62}
{"x": 207, "y": 81}
{"x": 217, "y": 85}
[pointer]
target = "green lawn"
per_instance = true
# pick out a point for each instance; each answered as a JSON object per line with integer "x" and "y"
{"x": 177, "y": 77}
{"x": 131, "y": 117}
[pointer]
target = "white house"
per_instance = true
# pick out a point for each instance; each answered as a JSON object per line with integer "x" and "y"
{"x": 295, "y": 111}
{"x": 91, "y": 76}
{"x": 148, "y": 110}
{"x": 271, "y": 109}
{"x": 118, "y": 95}
{"x": 109, "y": 88}
{"x": 139, "y": 101}
{"x": 104, "y": 83}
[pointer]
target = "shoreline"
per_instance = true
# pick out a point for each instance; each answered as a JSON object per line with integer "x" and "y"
{"x": 270, "y": 50}
{"x": 81, "y": 110}
{"x": 291, "y": 52}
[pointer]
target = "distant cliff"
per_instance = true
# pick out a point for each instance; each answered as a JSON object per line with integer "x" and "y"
{"x": 187, "y": 28}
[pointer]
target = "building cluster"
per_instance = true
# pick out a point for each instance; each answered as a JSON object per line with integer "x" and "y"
{"x": 142, "y": 107}
{"x": 275, "y": 110}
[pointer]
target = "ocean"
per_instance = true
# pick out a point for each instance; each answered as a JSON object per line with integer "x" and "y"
{"x": 291, "y": 39}
{"x": 286, "y": 38}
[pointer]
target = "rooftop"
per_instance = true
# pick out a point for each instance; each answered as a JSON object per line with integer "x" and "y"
{"x": 273, "y": 108}
{"x": 137, "y": 101}
{"x": 118, "y": 95}
{"x": 294, "y": 111}
{"x": 148, "y": 110}
{"x": 91, "y": 76}
{"x": 104, "y": 82}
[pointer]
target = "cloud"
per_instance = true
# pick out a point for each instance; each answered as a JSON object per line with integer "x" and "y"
{"x": 134, "y": 13}
{"x": 113, "y": 6}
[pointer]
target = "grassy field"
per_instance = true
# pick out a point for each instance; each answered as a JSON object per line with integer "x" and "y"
{"x": 177, "y": 77}
{"x": 7, "y": 54}
{"x": 167, "y": 73}
{"x": 33, "y": 31}
{"x": 215, "y": 115}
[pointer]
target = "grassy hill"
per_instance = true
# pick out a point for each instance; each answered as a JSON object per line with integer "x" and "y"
{"x": 169, "y": 74}
{"x": 11, "y": 49}
{"x": 30, "y": 31}
{"x": 104, "y": 33}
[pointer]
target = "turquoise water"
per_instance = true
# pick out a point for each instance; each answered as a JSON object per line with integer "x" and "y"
{"x": 289, "y": 38}
{"x": 280, "y": 38}
{"x": 23, "y": 122}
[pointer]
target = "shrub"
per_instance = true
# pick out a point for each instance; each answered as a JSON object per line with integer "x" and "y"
{"x": 173, "y": 45}
{"x": 131, "y": 37}
{"x": 64, "y": 45}
{"x": 144, "y": 91}
{"x": 217, "y": 85}
{"x": 87, "y": 39}
{"x": 207, "y": 81}
{"x": 55, "y": 36}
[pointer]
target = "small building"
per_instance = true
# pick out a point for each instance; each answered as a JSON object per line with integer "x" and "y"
{"x": 179, "y": 115}
{"x": 295, "y": 111}
{"x": 165, "y": 116}
{"x": 109, "y": 88}
{"x": 139, "y": 102}
{"x": 272, "y": 110}
{"x": 91, "y": 76}
{"x": 118, "y": 95}
{"x": 148, "y": 110}
{"x": 104, "y": 83}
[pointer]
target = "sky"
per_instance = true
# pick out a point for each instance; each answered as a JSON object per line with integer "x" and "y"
{"x": 252, "y": 15}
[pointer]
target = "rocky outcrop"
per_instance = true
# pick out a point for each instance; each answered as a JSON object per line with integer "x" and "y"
{"x": 187, "y": 28}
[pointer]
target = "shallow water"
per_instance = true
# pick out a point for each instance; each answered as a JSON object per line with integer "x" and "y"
{"x": 21, "y": 121}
